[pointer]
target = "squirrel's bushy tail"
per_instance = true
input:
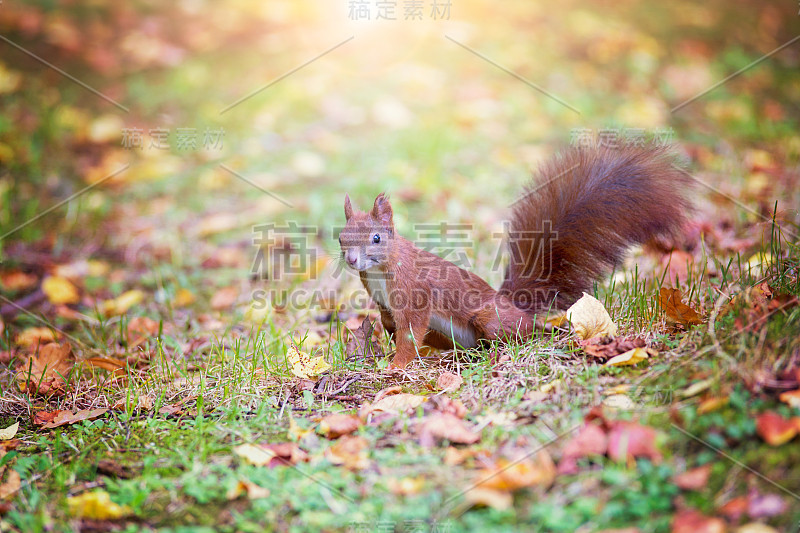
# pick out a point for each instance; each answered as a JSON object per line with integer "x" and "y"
{"x": 580, "y": 215}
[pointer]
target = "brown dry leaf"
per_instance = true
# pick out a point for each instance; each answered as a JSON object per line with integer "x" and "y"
{"x": 590, "y": 318}
{"x": 271, "y": 455}
{"x": 398, "y": 403}
{"x": 11, "y": 485}
{"x": 140, "y": 329}
{"x": 16, "y": 280}
{"x": 445, "y": 426}
{"x": 60, "y": 290}
{"x": 45, "y": 372}
{"x": 455, "y": 456}
{"x": 106, "y": 363}
{"x": 63, "y": 418}
{"x": 677, "y": 311}
{"x": 449, "y": 382}
{"x": 121, "y": 304}
{"x": 247, "y": 488}
{"x": 224, "y": 298}
{"x": 32, "y": 337}
{"x": 336, "y": 425}
{"x": 691, "y": 521}
{"x": 734, "y": 509}
{"x": 604, "y": 348}
{"x": 694, "y": 479}
{"x": 774, "y": 429}
{"x": 362, "y": 342}
{"x": 350, "y": 452}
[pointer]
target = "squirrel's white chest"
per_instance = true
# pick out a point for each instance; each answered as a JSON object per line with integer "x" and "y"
{"x": 465, "y": 336}
{"x": 375, "y": 281}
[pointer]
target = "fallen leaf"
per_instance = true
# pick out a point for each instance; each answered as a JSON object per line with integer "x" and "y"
{"x": 677, "y": 311}
{"x": 398, "y": 403}
{"x": 714, "y": 403}
{"x": 590, "y": 318}
{"x": 336, "y": 425}
{"x": 183, "y": 297}
{"x": 407, "y": 486}
{"x": 694, "y": 479}
{"x": 350, "y": 452}
{"x": 628, "y": 440}
{"x": 629, "y": 358}
{"x": 96, "y": 505}
{"x": 106, "y": 363}
{"x": 271, "y": 455}
{"x": 121, "y": 304}
{"x": 33, "y": 337}
{"x": 510, "y": 475}
{"x": 60, "y": 290}
{"x": 45, "y": 372}
{"x": 247, "y": 488}
{"x": 16, "y": 280}
{"x": 9, "y": 432}
{"x": 224, "y": 298}
{"x": 604, "y": 348}
{"x": 734, "y": 509}
{"x": 303, "y": 365}
{"x": 792, "y": 398}
{"x": 691, "y": 521}
{"x": 445, "y": 426}
{"x": 140, "y": 329}
{"x": 255, "y": 455}
{"x": 63, "y": 418}
{"x": 495, "y": 499}
{"x": 11, "y": 485}
{"x": 591, "y": 440}
{"x": 774, "y": 429}
{"x": 449, "y": 382}
{"x": 696, "y": 388}
{"x": 109, "y": 467}
{"x": 619, "y": 401}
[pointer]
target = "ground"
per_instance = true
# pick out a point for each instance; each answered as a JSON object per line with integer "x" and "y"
{"x": 182, "y": 349}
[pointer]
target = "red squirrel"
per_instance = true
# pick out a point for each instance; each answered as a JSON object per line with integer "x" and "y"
{"x": 577, "y": 219}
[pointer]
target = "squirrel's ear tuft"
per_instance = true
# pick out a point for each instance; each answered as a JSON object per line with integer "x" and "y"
{"x": 382, "y": 210}
{"x": 348, "y": 209}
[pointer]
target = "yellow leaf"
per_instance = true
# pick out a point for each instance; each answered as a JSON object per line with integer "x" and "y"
{"x": 59, "y": 290}
{"x": 33, "y": 336}
{"x": 696, "y": 388}
{"x": 121, "y": 304}
{"x": 712, "y": 404}
{"x": 303, "y": 365}
{"x": 590, "y": 318}
{"x": 407, "y": 486}
{"x": 631, "y": 357}
{"x": 183, "y": 298}
{"x": 9, "y": 432}
{"x": 96, "y": 505}
{"x": 618, "y": 401}
{"x": 258, "y": 312}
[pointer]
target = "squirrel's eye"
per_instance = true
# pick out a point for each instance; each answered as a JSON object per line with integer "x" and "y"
{"x": 376, "y": 238}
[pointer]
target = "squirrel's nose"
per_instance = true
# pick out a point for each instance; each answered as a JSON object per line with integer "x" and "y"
{"x": 351, "y": 258}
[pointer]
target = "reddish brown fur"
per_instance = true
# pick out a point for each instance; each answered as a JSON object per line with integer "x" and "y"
{"x": 597, "y": 202}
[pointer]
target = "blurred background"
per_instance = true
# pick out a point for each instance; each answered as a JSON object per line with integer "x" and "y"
{"x": 155, "y": 135}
